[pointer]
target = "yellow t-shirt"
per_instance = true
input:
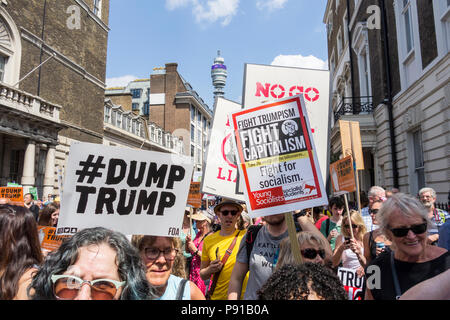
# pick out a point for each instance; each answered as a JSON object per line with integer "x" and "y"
{"x": 210, "y": 244}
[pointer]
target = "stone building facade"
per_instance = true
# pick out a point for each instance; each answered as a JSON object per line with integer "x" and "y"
{"x": 390, "y": 65}
{"x": 53, "y": 66}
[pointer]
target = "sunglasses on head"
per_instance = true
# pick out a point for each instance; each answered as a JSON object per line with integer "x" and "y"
{"x": 312, "y": 253}
{"x": 66, "y": 287}
{"x": 354, "y": 226}
{"x": 226, "y": 212}
{"x": 402, "y": 232}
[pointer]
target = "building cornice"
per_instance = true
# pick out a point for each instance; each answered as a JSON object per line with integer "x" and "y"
{"x": 86, "y": 8}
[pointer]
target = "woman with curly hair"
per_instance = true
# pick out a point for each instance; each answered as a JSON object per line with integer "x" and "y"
{"x": 101, "y": 258}
{"x": 307, "y": 281}
{"x": 165, "y": 267}
{"x": 20, "y": 251}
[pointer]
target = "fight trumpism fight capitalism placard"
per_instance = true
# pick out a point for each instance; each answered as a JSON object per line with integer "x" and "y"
{"x": 126, "y": 190}
{"x": 277, "y": 158}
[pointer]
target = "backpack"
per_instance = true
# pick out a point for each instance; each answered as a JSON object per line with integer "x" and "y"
{"x": 250, "y": 237}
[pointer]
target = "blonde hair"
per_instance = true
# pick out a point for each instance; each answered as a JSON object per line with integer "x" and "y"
{"x": 304, "y": 237}
{"x": 178, "y": 267}
{"x": 356, "y": 218}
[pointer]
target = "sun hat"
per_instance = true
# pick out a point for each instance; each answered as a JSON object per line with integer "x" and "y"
{"x": 229, "y": 202}
{"x": 200, "y": 216}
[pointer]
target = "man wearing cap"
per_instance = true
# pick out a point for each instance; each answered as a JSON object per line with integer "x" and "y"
{"x": 223, "y": 244}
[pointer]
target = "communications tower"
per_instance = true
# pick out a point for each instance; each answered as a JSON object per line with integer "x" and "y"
{"x": 219, "y": 76}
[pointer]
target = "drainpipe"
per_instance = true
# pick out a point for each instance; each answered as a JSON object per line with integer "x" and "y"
{"x": 388, "y": 98}
{"x": 42, "y": 51}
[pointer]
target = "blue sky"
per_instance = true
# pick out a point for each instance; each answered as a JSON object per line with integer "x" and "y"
{"x": 150, "y": 33}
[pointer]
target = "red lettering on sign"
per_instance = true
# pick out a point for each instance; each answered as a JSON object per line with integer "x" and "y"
{"x": 264, "y": 90}
{"x": 277, "y": 91}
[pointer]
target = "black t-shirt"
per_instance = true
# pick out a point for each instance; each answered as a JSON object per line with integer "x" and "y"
{"x": 409, "y": 274}
{"x": 35, "y": 211}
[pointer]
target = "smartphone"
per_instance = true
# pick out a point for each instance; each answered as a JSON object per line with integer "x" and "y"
{"x": 347, "y": 240}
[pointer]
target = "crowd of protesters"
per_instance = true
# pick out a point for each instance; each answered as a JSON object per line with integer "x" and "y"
{"x": 223, "y": 254}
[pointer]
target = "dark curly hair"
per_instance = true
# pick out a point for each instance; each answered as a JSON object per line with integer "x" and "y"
{"x": 130, "y": 266}
{"x": 295, "y": 282}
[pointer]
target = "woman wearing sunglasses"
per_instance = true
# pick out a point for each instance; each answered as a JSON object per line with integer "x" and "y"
{"x": 313, "y": 248}
{"x": 94, "y": 264}
{"x": 404, "y": 221}
{"x": 350, "y": 251}
{"x": 165, "y": 268}
{"x": 375, "y": 242}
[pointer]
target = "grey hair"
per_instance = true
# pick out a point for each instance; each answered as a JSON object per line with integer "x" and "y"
{"x": 376, "y": 190}
{"x": 129, "y": 264}
{"x": 427, "y": 189}
{"x": 406, "y": 204}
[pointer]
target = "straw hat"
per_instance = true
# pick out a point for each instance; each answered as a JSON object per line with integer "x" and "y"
{"x": 229, "y": 202}
{"x": 188, "y": 209}
{"x": 200, "y": 216}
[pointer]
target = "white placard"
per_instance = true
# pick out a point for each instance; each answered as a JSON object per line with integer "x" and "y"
{"x": 126, "y": 190}
{"x": 220, "y": 174}
{"x": 263, "y": 84}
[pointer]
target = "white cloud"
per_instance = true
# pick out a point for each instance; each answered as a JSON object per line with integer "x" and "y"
{"x": 299, "y": 61}
{"x": 208, "y": 10}
{"x": 270, "y": 5}
{"x": 119, "y": 81}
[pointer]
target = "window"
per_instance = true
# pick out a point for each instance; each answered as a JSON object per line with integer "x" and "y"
{"x": 418, "y": 159}
{"x": 135, "y": 106}
{"x": 199, "y": 118}
{"x": 114, "y": 117}
{"x": 146, "y": 109}
{"x": 192, "y": 151}
{"x": 98, "y": 8}
{"x": 2, "y": 67}
{"x": 339, "y": 43}
{"x": 409, "y": 36}
{"x": 192, "y": 133}
{"x": 192, "y": 113}
{"x": 199, "y": 137}
{"x": 152, "y": 133}
{"x": 136, "y": 93}
{"x": 133, "y": 126}
{"x": 107, "y": 114}
{"x": 14, "y": 166}
{"x": 204, "y": 123}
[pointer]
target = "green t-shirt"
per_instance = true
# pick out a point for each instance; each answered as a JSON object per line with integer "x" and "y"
{"x": 333, "y": 225}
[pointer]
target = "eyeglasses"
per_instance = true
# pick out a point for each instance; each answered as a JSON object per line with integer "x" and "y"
{"x": 153, "y": 253}
{"x": 66, "y": 287}
{"x": 312, "y": 253}
{"x": 417, "y": 229}
{"x": 226, "y": 212}
{"x": 354, "y": 226}
{"x": 373, "y": 211}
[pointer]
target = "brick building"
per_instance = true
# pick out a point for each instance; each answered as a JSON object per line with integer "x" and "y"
{"x": 389, "y": 63}
{"x": 57, "y": 49}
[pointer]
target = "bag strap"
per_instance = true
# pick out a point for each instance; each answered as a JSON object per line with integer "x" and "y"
{"x": 250, "y": 238}
{"x": 398, "y": 291}
{"x": 181, "y": 289}
{"x": 215, "y": 276}
{"x": 327, "y": 227}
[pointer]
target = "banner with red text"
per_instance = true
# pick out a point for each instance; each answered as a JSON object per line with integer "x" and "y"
{"x": 277, "y": 158}
{"x": 264, "y": 84}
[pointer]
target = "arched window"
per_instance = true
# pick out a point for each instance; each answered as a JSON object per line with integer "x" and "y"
{"x": 10, "y": 49}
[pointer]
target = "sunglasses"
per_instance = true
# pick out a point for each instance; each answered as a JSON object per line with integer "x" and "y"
{"x": 312, "y": 253}
{"x": 66, "y": 287}
{"x": 354, "y": 226}
{"x": 402, "y": 232}
{"x": 226, "y": 212}
{"x": 374, "y": 211}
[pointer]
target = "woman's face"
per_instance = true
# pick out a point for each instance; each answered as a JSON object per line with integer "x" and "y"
{"x": 54, "y": 217}
{"x": 202, "y": 225}
{"x": 374, "y": 210}
{"x": 307, "y": 250}
{"x": 410, "y": 246}
{"x": 355, "y": 227}
{"x": 159, "y": 268}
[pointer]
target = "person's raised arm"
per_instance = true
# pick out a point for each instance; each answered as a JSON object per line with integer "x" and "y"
{"x": 337, "y": 255}
{"x": 237, "y": 278}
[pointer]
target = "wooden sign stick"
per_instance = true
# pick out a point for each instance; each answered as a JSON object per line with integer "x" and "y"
{"x": 348, "y": 215}
{"x": 295, "y": 247}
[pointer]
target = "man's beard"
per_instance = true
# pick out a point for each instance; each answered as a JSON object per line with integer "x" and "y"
{"x": 427, "y": 204}
{"x": 275, "y": 222}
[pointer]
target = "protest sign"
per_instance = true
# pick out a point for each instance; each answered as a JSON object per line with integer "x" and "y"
{"x": 195, "y": 196}
{"x": 343, "y": 176}
{"x": 14, "y": 194}
{"x": 353, "y": 284}
{"x": 351, "y": 142}
{"x": 277, "y": 158}
{"x": 126, "y": 190}
{"x": 220, "y": 176}
{"x": 263, "y": 84}
{"x": 48, "y": 238}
